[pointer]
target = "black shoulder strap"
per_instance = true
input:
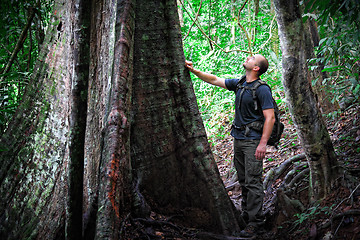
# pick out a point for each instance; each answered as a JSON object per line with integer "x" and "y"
{"x": 257, "y": 84}
{"x": 240, "y": 83}
{"x": 261, "y": 82}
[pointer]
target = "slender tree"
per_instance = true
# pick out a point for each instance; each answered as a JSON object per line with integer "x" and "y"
{"x": 304, "y": 109}
{"x": 109, "y": 129}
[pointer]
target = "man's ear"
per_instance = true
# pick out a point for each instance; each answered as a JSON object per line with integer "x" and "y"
{"x": 256, "y": 68}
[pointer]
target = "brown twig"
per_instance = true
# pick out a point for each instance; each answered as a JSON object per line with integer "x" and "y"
{"x": 195, "y": 22}
{"x": 212, "y": 41}
{"x": 348, "y": 198}
{"x": 270, "y": 35}
{"x": 196, "y": 17}
{"x": 246, "y": 33}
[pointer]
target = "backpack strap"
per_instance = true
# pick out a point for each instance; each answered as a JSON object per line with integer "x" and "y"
{"x": 257, "y": 126}
{"x": 240, "y": 83}
{"x": 253, "y": 89}
{"x": 257, "y": 84}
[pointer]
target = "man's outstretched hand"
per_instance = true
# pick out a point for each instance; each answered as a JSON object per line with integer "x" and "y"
{"x": 189, "y": 65}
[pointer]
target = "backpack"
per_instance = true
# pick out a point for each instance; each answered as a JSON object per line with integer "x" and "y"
{"x": 258, "y": 126}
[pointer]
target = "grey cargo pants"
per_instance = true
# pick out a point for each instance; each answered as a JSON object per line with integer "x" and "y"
{"x": 249, "y": 171}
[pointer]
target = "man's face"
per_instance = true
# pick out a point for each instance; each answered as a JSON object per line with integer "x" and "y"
{"x": 250, "y": 62}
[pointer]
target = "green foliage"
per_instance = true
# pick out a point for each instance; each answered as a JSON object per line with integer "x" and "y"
{"x": 339, "y": 47}
{"x": 338, "y": 50}
{"x": 311, "y": 214}
{"x": 14, "y": 16}
{"x": 327, "y": 9}
{"x": 219, "y": 21}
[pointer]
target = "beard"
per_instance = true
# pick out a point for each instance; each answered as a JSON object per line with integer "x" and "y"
{"x": 245, "y": 65}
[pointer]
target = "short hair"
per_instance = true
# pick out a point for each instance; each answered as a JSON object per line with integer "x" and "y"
{"x": 263, "y": 65}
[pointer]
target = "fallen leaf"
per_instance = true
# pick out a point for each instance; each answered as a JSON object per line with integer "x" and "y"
{"x": 159, "y": 234}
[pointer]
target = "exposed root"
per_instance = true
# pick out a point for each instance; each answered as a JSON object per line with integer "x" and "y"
{"x": 140, "y": 207}
{"x": 298, "y": 177}
{"x": 288, "y": 206}
{"x": 163, "y": 228}
{"x": 233, "y": 179}
{"x": 275, "y": 173}
{"x": 292, "y": 172}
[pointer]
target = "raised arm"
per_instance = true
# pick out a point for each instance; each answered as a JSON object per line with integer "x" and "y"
{"x": 206, "y": 77}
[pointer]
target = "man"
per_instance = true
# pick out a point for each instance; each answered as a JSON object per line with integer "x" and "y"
{"x": 249, "y": 144}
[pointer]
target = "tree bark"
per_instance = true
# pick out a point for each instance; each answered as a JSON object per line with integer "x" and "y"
{"x": 79, "y": 70}
{"x": 303, "y": 106}
{"x": 168, "y": 140}
{"x": 107, "y": 155}
{"x": 108, "y": 128}
{"x": 34, "y": 169}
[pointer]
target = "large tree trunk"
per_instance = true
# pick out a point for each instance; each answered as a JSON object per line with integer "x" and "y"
{"x": 35, "y": 166}
{"x": 109, "y": 127}
{"x": 107, "y": 177}
{"x": 302, "y": 103}
{"x": 168, "y": 140}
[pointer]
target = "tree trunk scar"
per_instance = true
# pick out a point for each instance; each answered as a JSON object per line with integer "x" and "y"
{"x": 114, "y": 177}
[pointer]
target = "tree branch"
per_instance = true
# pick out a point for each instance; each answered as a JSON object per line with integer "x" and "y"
{"x": 212, "y": 41}
{"x": 195, "y": 22}
{"x": 270, "y": 35}
{"x": 348, "y": 198}
{"x": 246, "y": 33}
{"x": 196, "y": 17}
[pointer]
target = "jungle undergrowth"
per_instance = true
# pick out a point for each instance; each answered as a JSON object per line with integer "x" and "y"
{"x": 321, "y": 219}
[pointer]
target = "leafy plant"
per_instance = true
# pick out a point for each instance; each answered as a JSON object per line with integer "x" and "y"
{"x": 338, "y": 49}
{"x": 312, "y": 213}
{"x": 19, "y": 51}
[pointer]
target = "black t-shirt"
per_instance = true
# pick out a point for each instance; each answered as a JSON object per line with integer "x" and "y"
{"x": 246, "y": 113}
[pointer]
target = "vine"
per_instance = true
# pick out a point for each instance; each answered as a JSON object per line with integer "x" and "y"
{"x": 249, "y": 42}
{"x": 209, "y": 38}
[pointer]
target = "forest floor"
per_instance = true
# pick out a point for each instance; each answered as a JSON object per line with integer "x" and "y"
{"x": 337, "y": 216}
{"x": 289, "y": 213}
